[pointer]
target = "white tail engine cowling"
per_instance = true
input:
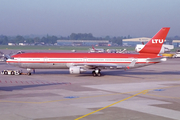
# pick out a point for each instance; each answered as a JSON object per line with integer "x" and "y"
{"x": 139, "y": 47}
{"x": 76, "y": 70}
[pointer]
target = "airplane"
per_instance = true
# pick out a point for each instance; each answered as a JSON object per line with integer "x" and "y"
{"x": 4, "y": 57}
{"x": 81, "y": 62}
{"x": 115, "y": 50}
{"x": 96, "y": 50}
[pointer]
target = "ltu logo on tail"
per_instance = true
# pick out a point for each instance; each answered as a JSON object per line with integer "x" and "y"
{"x": 157, "y": 41}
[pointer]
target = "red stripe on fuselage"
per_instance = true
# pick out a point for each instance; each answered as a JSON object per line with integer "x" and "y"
{"x": 83, "y": 55}
{"x": 71, "y": 62}
{"x": 80, "y": 55}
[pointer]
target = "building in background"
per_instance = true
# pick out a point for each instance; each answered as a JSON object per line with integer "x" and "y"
{"x": 83, "y": 42}
{"x": 134, "y": 41}
{"x": 176, "y": 43}
{"x": 23, "y": 44}
{"x": 11, "y": 44}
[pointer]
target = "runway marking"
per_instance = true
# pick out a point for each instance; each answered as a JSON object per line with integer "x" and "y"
{"x": 159, "y": 89}
{"x": 142, "y": 92}
{"x": 71, "y": 97}
{"x": 66, "y": 98}
{"x": 164, "y": 87}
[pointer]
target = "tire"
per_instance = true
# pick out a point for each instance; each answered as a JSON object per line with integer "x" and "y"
{"x": 5, "y": 73}
{"x": 99, "y": 74}
{"x": 29, "y": 73}
{"x": 12, "y": 73}
{"x": 94, "y": 74}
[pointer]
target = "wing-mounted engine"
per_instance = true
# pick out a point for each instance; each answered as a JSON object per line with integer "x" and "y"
{"x": 76, "y": 70}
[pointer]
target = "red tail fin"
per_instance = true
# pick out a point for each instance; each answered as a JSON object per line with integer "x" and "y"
{"x": 155, "y": 44}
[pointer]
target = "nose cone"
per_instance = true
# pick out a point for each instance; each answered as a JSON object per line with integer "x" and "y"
{"x": 9, "y": 61}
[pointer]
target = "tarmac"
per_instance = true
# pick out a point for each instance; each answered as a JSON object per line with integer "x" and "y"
{"x": 146, "y": 93}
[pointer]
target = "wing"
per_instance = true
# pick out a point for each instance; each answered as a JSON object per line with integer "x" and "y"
{"x": 106, "y": 65}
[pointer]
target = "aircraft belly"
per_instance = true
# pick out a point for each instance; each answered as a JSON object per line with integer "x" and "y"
{"x": 44, "y": 65}
{"x": 58, "y": 65}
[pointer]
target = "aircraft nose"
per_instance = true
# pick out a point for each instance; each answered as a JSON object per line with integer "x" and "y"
{"x": 8, "y": 61}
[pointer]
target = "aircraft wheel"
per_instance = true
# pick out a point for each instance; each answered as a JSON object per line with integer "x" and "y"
{"x": 94, "y": 74}
{"x": 99, "y": 74}
{"x": 5, "y": 72}
{"x": 29, "y": 73}
{"x": 12, "y": 73}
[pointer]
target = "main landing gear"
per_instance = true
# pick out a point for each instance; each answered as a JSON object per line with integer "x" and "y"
{"x": 96, "y": 72}
{"x": 29, "y": 71}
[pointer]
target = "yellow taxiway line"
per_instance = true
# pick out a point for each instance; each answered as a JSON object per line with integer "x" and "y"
{"x": 142, "y": 92}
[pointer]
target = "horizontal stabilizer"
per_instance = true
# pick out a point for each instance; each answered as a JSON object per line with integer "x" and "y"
{"x": 158, "y": 59}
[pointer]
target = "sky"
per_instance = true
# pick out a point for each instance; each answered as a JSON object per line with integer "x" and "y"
{"x": 138, "y": 18}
